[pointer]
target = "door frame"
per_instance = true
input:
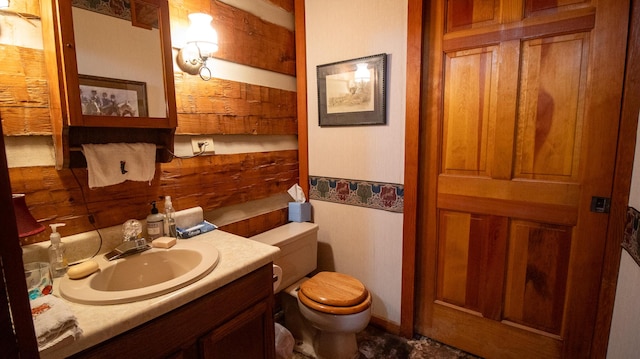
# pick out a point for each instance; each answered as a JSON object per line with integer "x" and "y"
{"x": 417, "y": 42}
{"x": 621, "y": 184}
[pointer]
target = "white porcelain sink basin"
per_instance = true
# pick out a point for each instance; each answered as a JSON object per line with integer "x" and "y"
{"x": 142, "y": 276}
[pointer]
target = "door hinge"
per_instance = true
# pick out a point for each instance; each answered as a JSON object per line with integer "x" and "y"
{"x": 600, "y": 204}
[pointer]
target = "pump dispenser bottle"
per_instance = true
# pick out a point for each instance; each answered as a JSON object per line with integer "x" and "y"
{"x": 155, "y": 223}
{"x": 169, "y": 218}
{"x": 57, "y": 257}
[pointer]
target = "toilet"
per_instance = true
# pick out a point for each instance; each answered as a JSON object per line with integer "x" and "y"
{"x": 325, "y": 311}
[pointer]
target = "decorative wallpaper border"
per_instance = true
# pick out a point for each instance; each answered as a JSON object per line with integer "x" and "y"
{"x": 120, "y": 8}
{"x": 630, "y": 238}
{"x": 376, "y": 195}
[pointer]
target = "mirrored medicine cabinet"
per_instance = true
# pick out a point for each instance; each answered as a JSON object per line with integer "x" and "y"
{"x": 110, "y": 75}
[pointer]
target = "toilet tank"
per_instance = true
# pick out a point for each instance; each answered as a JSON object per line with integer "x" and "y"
{"x": 298, "y": 243}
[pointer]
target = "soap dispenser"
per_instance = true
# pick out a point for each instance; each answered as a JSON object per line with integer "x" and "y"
{"x": 57, "y": 257}
{"x": 155, "y": 223}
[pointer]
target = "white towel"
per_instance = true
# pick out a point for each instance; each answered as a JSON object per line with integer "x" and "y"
{"x": 114, "y": 163}
{"x": 53, "y": 321}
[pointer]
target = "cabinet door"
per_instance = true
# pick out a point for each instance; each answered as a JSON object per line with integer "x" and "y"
{"x": 250, "y": 335}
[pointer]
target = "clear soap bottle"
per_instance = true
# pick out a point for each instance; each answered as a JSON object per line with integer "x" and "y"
{"x": 57, "y": 256}
{"x": 169, "y": 218}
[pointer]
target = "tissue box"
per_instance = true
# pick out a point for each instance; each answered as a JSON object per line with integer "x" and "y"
{"x": 299, "y": 211}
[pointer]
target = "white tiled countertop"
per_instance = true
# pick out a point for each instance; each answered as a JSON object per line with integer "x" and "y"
{"x": 238, "y": 256}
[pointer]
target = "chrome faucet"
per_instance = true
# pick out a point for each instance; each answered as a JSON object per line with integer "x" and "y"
{"x": 128, "y": 248}
{"x": 131, "y": 230}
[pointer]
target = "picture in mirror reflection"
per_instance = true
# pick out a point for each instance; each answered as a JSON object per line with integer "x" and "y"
{"x": 112, "y": 97}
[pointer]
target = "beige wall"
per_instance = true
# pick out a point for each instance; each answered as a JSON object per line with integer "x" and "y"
{"x": 623, "y": 338}
{"x": 362, "y": 242}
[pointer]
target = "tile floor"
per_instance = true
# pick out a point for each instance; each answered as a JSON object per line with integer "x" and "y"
{"x": 374, "y": 343}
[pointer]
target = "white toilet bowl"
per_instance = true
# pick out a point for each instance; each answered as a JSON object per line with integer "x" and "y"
{"x": 324, "y": 324}
{"x": 335, "y": 334}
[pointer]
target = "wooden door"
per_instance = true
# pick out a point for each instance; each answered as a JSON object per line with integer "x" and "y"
{"x": 522, "y": 109}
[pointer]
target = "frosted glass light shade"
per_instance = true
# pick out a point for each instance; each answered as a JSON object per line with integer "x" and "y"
{"x": 202, "y": 34}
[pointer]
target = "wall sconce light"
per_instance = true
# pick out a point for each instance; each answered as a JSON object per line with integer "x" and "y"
{"x": 201, "y": 43}
{"x": 27, "y": 225}
{"x": 4, "y": 4}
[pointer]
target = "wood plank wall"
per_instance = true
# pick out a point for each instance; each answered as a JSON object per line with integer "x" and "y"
{"x": 218, "y": 107}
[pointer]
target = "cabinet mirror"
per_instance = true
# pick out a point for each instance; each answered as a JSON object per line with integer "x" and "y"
{"x": 110, "y": 70}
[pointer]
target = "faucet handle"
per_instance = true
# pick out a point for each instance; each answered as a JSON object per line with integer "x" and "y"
{"x": 141, "y": 242}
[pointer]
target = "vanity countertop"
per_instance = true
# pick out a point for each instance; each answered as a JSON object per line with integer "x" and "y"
{"x": 238, "y": 257}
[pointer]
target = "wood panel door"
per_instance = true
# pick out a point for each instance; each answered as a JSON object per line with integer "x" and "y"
{"x": 522, "y": 110}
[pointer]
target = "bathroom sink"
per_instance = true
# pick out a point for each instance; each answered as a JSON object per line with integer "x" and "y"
{"x": 142, "y": 276}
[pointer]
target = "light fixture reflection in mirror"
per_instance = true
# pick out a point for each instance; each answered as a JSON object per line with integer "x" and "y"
{"x": 361, "y": 78}
{"x": 201, "y": 43}
{"x": 362, "y": 75}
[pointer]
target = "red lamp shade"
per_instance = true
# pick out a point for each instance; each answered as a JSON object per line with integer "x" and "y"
{"x": 27, "y": 225}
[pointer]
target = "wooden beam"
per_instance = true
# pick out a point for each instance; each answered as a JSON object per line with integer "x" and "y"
{"x": 229, "y": 107}
{"x": 301, "y": 68}
{"x": 621, "y": 186}
{"x": 411, "y": 148}
{"x": 25, "y": 94}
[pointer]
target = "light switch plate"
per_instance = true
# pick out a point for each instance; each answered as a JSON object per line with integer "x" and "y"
{"x": 196, "y": 140}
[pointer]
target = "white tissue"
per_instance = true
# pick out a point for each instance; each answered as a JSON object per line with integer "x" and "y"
{"x": 297, "y": 194}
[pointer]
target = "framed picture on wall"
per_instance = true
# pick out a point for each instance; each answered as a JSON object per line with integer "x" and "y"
{"x": 353, "y": 92}
{"x": 112, "y": 97}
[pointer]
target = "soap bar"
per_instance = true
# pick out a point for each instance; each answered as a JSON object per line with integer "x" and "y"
{"x": 163, "y": 242}
{"x": 82, "y": 270}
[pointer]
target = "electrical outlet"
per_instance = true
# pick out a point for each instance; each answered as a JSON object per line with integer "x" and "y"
{"x": 200, "y": 143}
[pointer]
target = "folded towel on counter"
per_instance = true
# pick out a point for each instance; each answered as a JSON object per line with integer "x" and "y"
{"x": 53, "y": 321}
{"x": 113, "y": 163}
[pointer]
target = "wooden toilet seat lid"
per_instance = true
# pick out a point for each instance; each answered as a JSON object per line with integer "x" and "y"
{"x": 335, "y": 310}
{"x": 334, "y": 289}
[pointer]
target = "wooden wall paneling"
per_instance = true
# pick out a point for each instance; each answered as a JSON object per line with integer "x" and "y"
{"x": 214, "y": 107}
{"x": 229, "y": 107}
{"x": 25, "y": 94}
{"x": 244, "y": 38}
{"x": 210, "y": 182}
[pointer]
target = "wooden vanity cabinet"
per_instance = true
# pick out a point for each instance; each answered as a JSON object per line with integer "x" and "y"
{"x": 134, "y": 65}
{"x": 235, "y": 321}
